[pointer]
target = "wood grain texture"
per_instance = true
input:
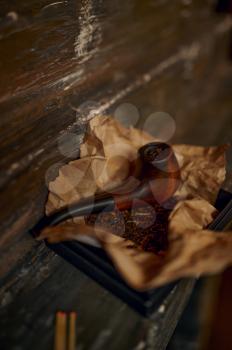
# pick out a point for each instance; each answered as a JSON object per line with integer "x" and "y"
{"x": 55, "y": 59}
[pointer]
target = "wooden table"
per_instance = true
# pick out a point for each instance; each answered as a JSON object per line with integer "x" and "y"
{"x": 62, "y": 63}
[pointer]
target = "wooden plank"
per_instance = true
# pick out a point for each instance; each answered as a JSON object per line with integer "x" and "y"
{"x": 103, "y": 320}
{"x": 157, "y": 55}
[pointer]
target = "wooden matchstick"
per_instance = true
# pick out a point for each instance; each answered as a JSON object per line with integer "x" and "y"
{"x": 72, "y": 331}
{"x": 60, "y": 332}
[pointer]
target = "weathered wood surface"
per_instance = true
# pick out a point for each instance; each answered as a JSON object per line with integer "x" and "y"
{"x": 54, "y": 59}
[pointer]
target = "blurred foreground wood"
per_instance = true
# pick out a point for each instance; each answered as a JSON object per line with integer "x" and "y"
{"x": 220, "y": 332}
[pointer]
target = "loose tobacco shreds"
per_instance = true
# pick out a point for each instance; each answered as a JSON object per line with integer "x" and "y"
{"x": 145, "y": 225}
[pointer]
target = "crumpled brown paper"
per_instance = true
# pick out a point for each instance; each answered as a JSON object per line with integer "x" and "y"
{"x": 103, "y": 165}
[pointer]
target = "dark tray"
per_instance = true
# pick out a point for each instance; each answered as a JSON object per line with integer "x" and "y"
{"x": 96, "y": 264}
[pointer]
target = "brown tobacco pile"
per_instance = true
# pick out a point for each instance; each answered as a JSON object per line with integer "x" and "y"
{"x": 146, "y": 226}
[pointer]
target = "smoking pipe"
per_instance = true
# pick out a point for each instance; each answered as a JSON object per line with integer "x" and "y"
{"x": 157, "y": 176}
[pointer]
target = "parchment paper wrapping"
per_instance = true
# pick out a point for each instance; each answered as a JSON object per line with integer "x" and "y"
{"x": 103, "y": 165}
